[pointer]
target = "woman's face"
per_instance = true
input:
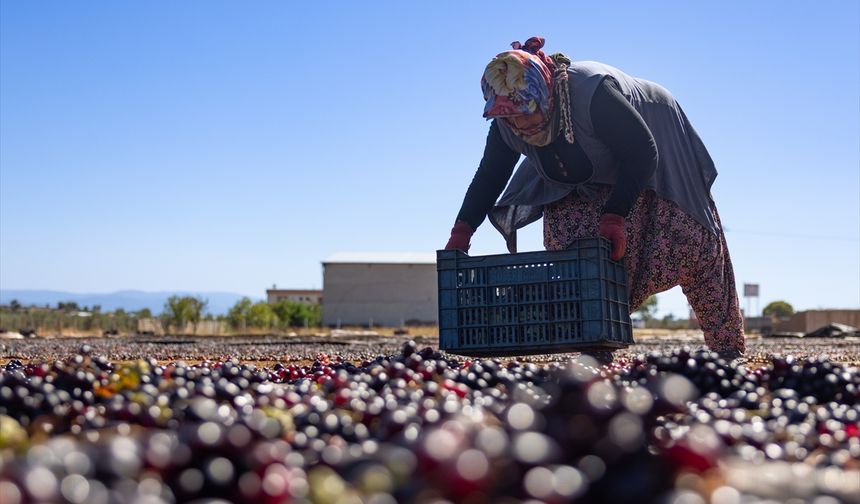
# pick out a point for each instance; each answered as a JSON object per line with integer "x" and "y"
{"x": 526, "y": 121}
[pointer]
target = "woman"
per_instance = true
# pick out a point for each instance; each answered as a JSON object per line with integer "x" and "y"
{"x": 605, "y": 154}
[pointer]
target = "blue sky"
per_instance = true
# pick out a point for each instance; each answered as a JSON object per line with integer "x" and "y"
{"x": 227, "y": 146}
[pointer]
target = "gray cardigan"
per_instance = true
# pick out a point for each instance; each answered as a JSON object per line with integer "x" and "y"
{"x": 685, "y": 170}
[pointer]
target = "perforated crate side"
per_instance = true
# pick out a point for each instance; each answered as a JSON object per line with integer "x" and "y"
{"x": 534, "y": 302}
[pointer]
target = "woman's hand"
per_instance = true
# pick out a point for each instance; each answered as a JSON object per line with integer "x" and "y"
{"x": 612, "y": 228}
{"x": 461, "y": 234}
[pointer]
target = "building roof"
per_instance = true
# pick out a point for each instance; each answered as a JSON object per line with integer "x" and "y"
{"x": 381, "y": 258}
{"x": 294, "y": 291}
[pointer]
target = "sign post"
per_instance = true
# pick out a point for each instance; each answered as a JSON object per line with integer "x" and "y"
{"x": 751, "y": 291}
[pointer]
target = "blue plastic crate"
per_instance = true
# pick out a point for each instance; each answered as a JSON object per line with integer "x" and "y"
{"x": 533, "y": 302}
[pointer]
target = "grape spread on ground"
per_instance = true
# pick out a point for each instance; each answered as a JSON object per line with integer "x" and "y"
{"x": 383, "y": 424}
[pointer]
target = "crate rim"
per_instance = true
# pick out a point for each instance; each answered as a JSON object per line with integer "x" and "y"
{"x": 460, "y": 254}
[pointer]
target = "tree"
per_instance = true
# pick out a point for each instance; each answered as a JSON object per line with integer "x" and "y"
{"x": 180, "y": 310}
{"x": 778, "y": 309}
{"x": 260, "y": 315}
{"x": 197, "y": 306}
{"x": 15, "y": 305}
{"x": 285, "y": 311}
{"x": 648, "y": 309}
{"x": 237, "y": 316}
{"x": 68, "y": 306}
{"x": 144, "y": 313}
{"x": 671, "y": 322}
{"x": 293, "y": 314}
{"x": 121, "y": 320}
{"x": 308, "y": 313}
{"x": 173, "y": 313}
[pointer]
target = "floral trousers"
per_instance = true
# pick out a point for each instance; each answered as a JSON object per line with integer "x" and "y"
{"x": 665, "y": 248}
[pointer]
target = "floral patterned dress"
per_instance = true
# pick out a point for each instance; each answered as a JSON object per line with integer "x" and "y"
{"x": 665, "y": 248}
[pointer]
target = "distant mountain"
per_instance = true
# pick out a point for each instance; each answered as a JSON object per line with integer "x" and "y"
{"x": 128, "y": 300}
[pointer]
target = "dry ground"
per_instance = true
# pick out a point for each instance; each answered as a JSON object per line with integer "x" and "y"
{"x": 358, "y": 345}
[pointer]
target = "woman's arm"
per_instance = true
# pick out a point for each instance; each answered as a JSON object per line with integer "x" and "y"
{"x": 490, "y": 179}
{"x": 620, "y": 127}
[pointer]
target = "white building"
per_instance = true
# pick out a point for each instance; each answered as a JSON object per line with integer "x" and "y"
{"x": 310, "y": 296}
{"x": 380, "y": 289}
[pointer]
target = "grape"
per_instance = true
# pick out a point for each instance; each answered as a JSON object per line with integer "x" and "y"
{"x": 418, "y": 425}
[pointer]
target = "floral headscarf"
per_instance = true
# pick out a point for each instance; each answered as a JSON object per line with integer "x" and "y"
{"x": 521, "y": 81}
{"x": 516, "y": 82}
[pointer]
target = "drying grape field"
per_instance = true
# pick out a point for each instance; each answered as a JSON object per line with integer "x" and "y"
{"x": 371, "y": 419}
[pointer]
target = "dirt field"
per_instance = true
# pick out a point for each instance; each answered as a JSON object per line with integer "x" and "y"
{"x": 357, "y": 345}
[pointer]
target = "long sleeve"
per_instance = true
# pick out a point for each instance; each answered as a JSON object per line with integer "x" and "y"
{"x": 616, "y": 123}
{"x": 490, "y": 179}
{"x": 621, "y": 128}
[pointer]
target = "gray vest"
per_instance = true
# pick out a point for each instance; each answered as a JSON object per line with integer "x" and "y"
{"x": 685, "y": 170}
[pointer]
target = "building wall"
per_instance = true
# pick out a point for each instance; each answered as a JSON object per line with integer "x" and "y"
{"x": 810, "y": 320}
{"x": 386, "y": 294}
{"x": 297, "y": 296}
{"x": 762, "y": 325}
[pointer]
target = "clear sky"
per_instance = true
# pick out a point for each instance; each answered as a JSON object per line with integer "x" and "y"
{"x": 227, "y": 146}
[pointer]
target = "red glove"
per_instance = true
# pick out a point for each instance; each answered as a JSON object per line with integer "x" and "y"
{"x": 612, "y": 228}
{"x": 461, "y": 233}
